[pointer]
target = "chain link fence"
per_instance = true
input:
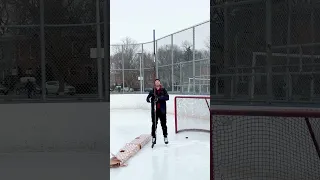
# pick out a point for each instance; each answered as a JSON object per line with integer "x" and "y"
{"x": 53, "y": 50}
{"x": 48, "y": 50}
{"x": 182, "y": 63}
{"x": 266, "y": 51}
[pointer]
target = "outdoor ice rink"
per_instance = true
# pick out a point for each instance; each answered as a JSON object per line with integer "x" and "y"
{"x": 182, "y": 158}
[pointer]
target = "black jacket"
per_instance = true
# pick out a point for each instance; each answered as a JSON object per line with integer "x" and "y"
{"x": 162, "y": 96}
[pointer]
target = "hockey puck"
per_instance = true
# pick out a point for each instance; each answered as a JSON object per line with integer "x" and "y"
{"x": 186, "y": 137}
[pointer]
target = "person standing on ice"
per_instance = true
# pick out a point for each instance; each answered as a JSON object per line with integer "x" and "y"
{"x": 160, "y": 96}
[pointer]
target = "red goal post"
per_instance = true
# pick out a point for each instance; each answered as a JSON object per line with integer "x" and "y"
{"x": 192, "y": 113}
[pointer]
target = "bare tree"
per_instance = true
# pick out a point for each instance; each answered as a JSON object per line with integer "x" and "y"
{"x": 207, "y": 43}
{"x": 126, "y": 57}
{"x": 4, "y": 13}
{"x": 164, "y": 62}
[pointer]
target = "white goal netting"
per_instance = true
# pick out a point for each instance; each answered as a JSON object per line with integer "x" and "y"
{"x": 192, "y": 113}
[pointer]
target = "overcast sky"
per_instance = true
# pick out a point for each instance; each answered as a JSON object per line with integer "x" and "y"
{"x": 138, "y": 18}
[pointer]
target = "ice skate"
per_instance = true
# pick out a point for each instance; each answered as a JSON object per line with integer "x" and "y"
{"x": 166, "y": 141}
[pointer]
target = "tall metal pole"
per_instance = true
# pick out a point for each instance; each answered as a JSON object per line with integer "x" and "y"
{"x": 181, "y": 78}
{"x": 201, "y": 81}
{"x": 156, "y": 58}
{"x": 312, "y": 49}
{"x": 106, "y": 32}
{"x": 142, "y": 60}
{"x": 194, "y": 59}
{"x": 226, "y": 53}
{"x": 99, "y": 61}
{"x": 43, "y": 53}
{"x": 154, "y": 88}
{"x": 268, "y": 48}
{"x": 141, "y": 78}
{"x": 288, "y": 76}
{"x": 122, "y": 57}
{"x": 172, "y": 64}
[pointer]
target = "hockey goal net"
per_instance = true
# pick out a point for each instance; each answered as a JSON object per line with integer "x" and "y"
{"x": 192, "y": 113}
{"x": 265, "y": 143}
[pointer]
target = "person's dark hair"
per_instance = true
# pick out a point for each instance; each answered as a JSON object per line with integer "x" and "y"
{"x": 157, "y": 80}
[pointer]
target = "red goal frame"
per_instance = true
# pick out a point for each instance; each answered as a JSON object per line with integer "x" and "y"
{"x": 205, "y": 98}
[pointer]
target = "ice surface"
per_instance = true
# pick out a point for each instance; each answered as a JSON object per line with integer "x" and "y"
{"x": 181, "y": 159}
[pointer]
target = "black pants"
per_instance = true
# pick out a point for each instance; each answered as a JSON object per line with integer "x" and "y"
{"x": 163, "y": 122}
